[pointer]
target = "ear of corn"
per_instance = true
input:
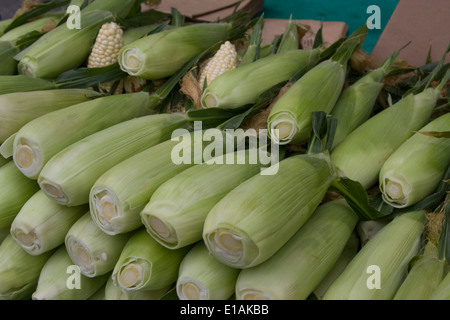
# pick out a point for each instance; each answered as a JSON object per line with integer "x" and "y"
{"x": 233, "y": 89}
{"x": 203, "y": 277}
{"x": 442, "y": 292}
{"x": 69, "y": 175}
{"x": 42, "y": 224}
{"x": 19, "y": 271}
{"x": 379, "y": 268}
{"x": 7, "y": 52}
{"x": 42, "y": 138}
{"x": 16, "y": 189}
{"x": 417, "y": 166}
{"x": 92, "y": 250}
{"x": 4, "y": 24}
{"x": 55, "y": 280}
{"x": 42, "y": 25}
{"x": 177, "y": 210}
{"x": 161, "y": 54}
{"x": 54, "y": 53}
{"x": 146, "y": 265}
{"x": 424, "y": 277}
{"x": 21, "y": 83}
{"x": 120, "y": 8}
{"x": 19, "y": 108}
{"x": 247, "y": 226}
{"x": 295, "y": 270}
{"x": 115, "y": 292}
{"x": 361, "y": 155}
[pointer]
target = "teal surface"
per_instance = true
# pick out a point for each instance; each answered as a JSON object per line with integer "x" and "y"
{"x": 353, "y": 12}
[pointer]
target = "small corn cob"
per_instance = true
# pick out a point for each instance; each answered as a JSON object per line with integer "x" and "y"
{"x": 42, "y": 224}
{"x": 54, "y": 280}
{"x": 16, "y": 190}
{"x": 295, "y": 270}
{"x": 378, "y": 269}
{"x": 203, "y": 277}
{"x": 415, "y": 169}
{"x": 19, "y": 108}
{"x": 106, "y": 50}
{"x": 92, "y": 250}
{"x": 261, "y": 226}
{"x": 115, "y": 292}
{"x": 19, "y": 271}
{"x": 42, "y": 138}
{"x": 70, "y": 174}
{"x": 146, "y": 265}
{"x": 224, "y": 59}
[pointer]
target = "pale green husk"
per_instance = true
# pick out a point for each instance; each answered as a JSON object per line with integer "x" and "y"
{"x": 380, "y": 267}
{"x": 34, "y": 25}
{"x": 295, "y": 270}
{"x": 255, "y": 219}
{"x": 21, "y": 83}
{"x": 42, "y": 224}
{"x": 59, "y": 279}
{"x": 115, "y": 292}
{"x": 40, "y": 139}
{"x": 70, "y": 174}
{"x": 203, "y": 277}
{"x": 442, "y": 292}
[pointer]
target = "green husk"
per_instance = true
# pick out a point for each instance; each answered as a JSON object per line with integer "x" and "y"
{"x": 92, "y": 250}
{"x": 161, "y": 54}
{"x": 70, "y": 174}
{"x": 38, "y": 25}
{"x": 4, "y": 24}
{"x": 21, "y": 83}
{"x": 115, "y": 292}
{"x": 177, "y": 210}
{"x": 203, "y": 277}
{"x": 42, "y": 138}
{"x": 16, "y": 189}
{"x": 243, "y": 85}
{"x": 417, "y": 166}
{"x": 19, "y": 271}
{"x": 255, "y": 219}
{"x": 442, "y": 292}
{"x": 59, "y": 279}
{"x": 41, "y": 224}
{"x": 19, "y": 108}
{"x": 295, "y": 270}
{"x": 7, "y": 52}
{"x": 146, "y": 265}
{"x": 120, "y": 8}
{"x": 379, "y": 268}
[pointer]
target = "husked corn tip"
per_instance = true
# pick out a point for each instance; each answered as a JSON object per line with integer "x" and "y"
{"x": 225, "y": 59}
{"x": 107, "y": 45}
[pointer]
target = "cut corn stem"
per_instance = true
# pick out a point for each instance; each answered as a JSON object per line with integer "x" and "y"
{"x": 54, "y": 280}
{"x": 92, "y": 250}
{"x": 177, "y": 210}
{"x": 69, "y": 175}
{"x": 16, "y": 190}
{"x": 40, "y": 139}
{"x": 42, "y": 224}
{"x": 203, "y": 277}
{"x": 295, "y": 270}
{"x": 379, "y": 268}
{"x": 19, "y": 108}
{"x": 247, "y": 226}
{"x": 19, "y": 271}
{"x": 417, "y": 166}
{"x": 146, "y": 265}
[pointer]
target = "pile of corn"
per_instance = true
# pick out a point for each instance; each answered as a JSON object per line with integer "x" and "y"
{"x": 93, "y": 205}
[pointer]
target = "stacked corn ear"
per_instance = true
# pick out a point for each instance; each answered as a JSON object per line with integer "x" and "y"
{"x": 42, "y": 138}
{"x": 121, "y": 8}
{"x": 42, "y": 224}
{"x": 16, "y": 190}
{"x": 367, "y": 229}
{"x": 70, "y": 174}
{"x": 19, "y": 108}
{"x": 22, "y": 83}
{"x": 161, "y": 54}
{"x": 295, "y": 270}
{"x": 417, "y": 166}
{"x": 380, "y": 267}
{"x": 146, "y": 265}
{"x": 113, "y": 291}
{"x": 19, "y": 271}
{"x": 120, "y": 194}
{"x": 92, "y": 250}
{"x": 233, "y": 89}
{"x": 247, "y": 226}
{"x": 43, "y": 24}
{"x": 177, "y": 210}
{"x": 361, "y": 155}
{"x": 203, "y": 277}
{"x": 442, "y": 292}
{"x": 60, "y": 279}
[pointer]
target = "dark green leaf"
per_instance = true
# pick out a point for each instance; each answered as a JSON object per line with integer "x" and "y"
{"x": 87, "y": 77}
{"x": 177, "y": 18}
{"x": 444, "y": 239}
{"x": 322, "y": 134}
{"x": 170, "y": 295}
